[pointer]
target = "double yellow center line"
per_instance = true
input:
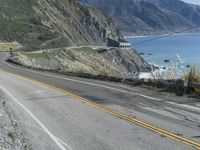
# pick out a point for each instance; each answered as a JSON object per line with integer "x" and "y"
{"x": 118, "y": 114}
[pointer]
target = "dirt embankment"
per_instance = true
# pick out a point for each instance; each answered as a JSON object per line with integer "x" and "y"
{"x": 84, "y": 60}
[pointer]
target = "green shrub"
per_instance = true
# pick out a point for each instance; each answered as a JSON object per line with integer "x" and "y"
{"x": 13, "y": 135}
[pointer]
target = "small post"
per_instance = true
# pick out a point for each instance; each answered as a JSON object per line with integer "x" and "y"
{"x": 185, "y": 87}
{"x": 187, "y": 83}
{"x": 10, "y": 50}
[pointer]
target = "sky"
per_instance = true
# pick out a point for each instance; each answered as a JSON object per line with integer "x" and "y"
{"x": 192, "y": 1}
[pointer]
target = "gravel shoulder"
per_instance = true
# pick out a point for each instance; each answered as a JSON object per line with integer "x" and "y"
{"x": 11, "y": 137}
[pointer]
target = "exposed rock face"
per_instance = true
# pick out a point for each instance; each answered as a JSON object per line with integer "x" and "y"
{"x": 149, "y": 16}
{"x": 116, "y": 62}
{"x": 53, "y": 23}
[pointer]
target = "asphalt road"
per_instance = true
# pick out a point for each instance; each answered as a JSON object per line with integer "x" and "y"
{"x": 53, "y": 119}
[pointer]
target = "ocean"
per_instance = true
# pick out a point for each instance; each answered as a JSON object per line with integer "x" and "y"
{"x": 179, "y": 49}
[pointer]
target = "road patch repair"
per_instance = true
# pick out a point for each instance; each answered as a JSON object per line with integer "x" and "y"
{"x": 119, "y": 115}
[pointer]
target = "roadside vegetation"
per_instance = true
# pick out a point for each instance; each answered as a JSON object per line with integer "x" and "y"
{"x": 194, "y": 74}
{"x": 13, "y": 135}
{"x": 190, "y": 78}
{"x": 193, "y": 77}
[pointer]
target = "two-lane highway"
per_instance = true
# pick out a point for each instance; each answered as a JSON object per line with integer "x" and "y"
{"x": 54, "y": 116}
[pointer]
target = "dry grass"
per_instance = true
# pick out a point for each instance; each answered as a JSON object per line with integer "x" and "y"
{"x": 194, "y": 74}
{"x": 9, "y": 45}
{"x": 168, "y": 74}
{"x": 172, "y": 72}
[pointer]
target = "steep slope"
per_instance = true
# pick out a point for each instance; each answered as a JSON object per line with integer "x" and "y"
{"x": 85, "y": 60}
{"x": 55, "y": 23}
{"x": 149, "y": 16}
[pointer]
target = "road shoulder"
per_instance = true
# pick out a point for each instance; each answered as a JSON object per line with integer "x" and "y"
{"x": 11, "y": 136}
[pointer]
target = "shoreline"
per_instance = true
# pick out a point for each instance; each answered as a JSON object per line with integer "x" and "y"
{"x": 157, "y": 73}
{"x": 181, "y": 49}
{"x": 159, "y": 35}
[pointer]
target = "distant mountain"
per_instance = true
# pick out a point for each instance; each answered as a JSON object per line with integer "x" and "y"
{"x": 149, "y": 16}
{"x": 53, "y": 23}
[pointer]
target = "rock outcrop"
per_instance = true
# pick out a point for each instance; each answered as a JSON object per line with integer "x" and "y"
{"x": 114, "y": 63}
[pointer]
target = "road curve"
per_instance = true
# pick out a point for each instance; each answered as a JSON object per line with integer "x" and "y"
{"x": 90, "y": 123}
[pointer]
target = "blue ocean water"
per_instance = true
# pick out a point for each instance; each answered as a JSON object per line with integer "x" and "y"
{"x": 162, "y": 47}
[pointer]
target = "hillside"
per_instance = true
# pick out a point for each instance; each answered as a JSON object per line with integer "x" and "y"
{"x": 46, "y": 24}
{"x": 149, "y": 16}
{"x": 85, "y": 60}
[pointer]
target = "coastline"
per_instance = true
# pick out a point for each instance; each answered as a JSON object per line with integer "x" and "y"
{"x": 157, "y": 72}
{"x": 159, "y": 35}
{"x": 184, "y": 44}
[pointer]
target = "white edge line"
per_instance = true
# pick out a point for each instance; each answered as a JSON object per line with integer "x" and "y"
{"x": 83, "y": 82}
{"x": 55, "y": 139}
{"x": 64, "y": 143}
{"x": 185, "y": 106}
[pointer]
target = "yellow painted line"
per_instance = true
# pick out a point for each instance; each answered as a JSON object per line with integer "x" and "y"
{"x": 118, "y": 114}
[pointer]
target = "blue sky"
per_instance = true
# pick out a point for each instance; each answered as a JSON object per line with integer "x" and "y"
{"x": 192, "y": 1}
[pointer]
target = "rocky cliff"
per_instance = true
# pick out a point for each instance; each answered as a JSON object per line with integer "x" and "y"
{"x": 149, "y": 16}
{"x": 84, "y": 60}
{"x": 53, "y": 23}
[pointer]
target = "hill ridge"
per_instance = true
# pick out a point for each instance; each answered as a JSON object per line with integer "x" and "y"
{"x": 140, "y": 17}
{"x": 57, "y": 23}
